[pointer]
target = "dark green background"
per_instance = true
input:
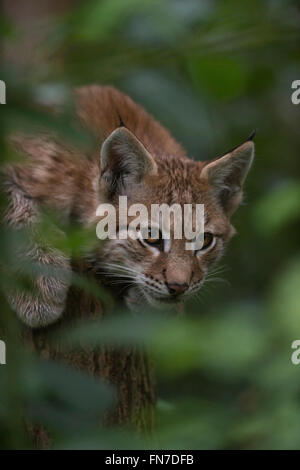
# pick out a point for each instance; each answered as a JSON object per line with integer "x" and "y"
{"x": 210, "y": 71}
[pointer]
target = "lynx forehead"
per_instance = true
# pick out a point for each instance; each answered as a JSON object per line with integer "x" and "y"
{"x": 137, "y": 158}
{"x": 185, "y": 222}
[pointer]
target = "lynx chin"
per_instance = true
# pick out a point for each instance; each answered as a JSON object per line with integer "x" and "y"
{"x": 134, "y": 156}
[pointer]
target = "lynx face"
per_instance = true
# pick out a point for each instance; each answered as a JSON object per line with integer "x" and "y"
{"x": 139, "y": 160}
{"x": 157, "y": 270}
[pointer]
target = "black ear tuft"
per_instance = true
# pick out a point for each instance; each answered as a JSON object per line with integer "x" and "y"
{"x": 252, "y": 135}
{"x": 121, "y": 120}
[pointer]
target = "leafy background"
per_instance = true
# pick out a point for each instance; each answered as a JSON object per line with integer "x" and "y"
{"x": 211, "y": 72}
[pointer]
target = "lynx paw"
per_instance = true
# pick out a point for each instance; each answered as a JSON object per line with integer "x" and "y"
{"x": 44, "y": 302}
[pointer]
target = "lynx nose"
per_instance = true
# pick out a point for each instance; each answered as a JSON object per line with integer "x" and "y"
{"x": 176, "y": 288}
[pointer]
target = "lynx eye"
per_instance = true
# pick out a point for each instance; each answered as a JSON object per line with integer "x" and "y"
{"x": 153, "y": 241}
{"x": 208, "y": 241}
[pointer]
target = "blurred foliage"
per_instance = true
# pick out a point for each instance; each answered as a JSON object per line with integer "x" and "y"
{"x": 211, "y": 71}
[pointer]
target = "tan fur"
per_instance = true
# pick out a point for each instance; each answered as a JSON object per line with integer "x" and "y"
{"x": 102, "y": 108}
{"x": 155, "y": 170}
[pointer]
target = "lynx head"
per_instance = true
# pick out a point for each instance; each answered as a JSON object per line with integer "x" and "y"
{"x": 156, "y": 270}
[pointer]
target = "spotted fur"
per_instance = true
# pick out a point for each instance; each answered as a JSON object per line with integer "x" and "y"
{"x": 141, "y": 160}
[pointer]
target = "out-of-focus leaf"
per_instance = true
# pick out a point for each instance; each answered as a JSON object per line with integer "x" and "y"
{"x": 123, "y": 329}
{"x": 103, "y": 438}
{"x": 95, "y": 20}
{"x": 69, "y": 398}
{"x": 223, "y": 78}
{"x": 180, "y": 344}
{"x": 277, "y": 209}
{"x": 192, "y": 425}
{"x": 285, "y": 302}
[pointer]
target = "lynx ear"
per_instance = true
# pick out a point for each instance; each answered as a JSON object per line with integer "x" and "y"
{"x": 227, "y": 174}
{"x": 124, "y": 161}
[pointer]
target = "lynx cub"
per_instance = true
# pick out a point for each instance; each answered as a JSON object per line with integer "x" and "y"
{"x": 135, "y": 157}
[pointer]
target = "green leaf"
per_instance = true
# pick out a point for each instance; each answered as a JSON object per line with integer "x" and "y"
{"x": 277, "y": 208}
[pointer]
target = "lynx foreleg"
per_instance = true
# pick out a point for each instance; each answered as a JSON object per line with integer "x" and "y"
{"x": 44, "y": 302}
